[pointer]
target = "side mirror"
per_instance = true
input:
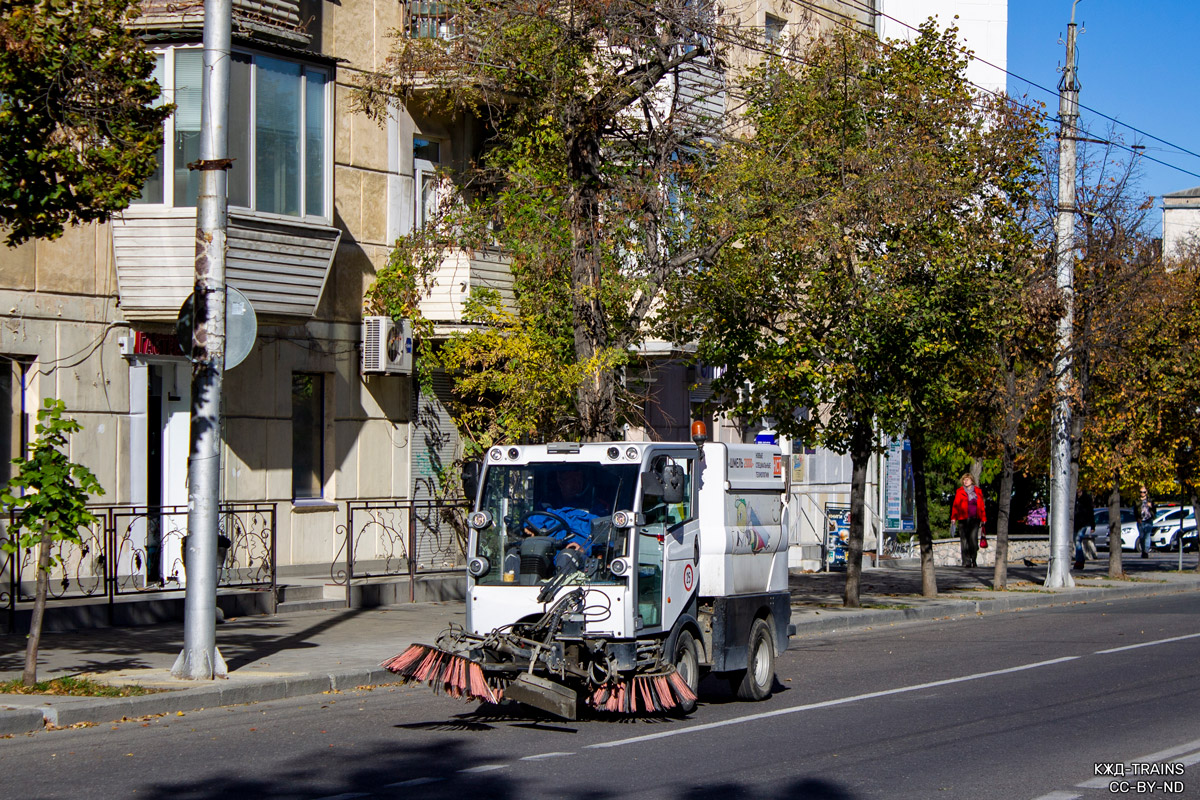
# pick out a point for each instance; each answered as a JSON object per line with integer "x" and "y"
{"x": 673, "y": 479}
{"x": 471, "y": 472}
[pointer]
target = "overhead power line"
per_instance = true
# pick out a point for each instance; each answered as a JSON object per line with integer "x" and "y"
{"x": 1035, "y": 84}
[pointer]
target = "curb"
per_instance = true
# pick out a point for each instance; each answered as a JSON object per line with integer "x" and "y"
{"x": 852, "y": 619}
{"x": 20, "y": 720}
{"x": 27, "y": 720}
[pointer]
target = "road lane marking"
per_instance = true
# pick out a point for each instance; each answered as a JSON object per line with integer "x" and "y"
{"x": 1060, "y": 796}
{"x": 413, "y": 782}
{"x": 831, "y": 703}
{"x": 484, "y": 768}
{"x": 541, "y": 756}
{"x": 1147, "y": 644}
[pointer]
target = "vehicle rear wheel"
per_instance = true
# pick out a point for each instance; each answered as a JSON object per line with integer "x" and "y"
{"x": 687, "y": 663}
{"x": 756, "y": 682}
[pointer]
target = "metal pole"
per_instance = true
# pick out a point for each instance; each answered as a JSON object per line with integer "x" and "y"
{"x": 200, "y": 659}
{"x": 1182, "y": 514}
{"x": 1061, "y": 503}
{"x": 412, "y": 551}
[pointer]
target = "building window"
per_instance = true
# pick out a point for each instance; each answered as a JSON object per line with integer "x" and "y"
{"x": 773, "y": 28}
{"x": 427, "y": 157}
{"x": 308, "y": 435}
{"x": 278, "y": 134}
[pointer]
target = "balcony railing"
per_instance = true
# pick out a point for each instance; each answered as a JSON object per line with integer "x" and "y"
{"x": 430, "y": 20}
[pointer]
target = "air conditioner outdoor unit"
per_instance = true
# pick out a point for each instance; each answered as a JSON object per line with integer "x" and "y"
{"x": 387, "y": 346}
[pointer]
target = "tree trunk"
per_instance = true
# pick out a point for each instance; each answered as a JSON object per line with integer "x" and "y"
{"x": 860, "y": 456}
{"x": 29, "y": 676}
{"x": 1114, "y": 529}
{"x": 1076, "y": 448}
{"x": 596, "y": 395}
{"x": 916, "y": 437}
{"x": 1003, "y": 512}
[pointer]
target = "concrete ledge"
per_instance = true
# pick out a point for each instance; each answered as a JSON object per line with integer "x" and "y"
{"x": 20, "y": 720}
{"x": 224, "y": 693}
{"x": 806, "y": 621}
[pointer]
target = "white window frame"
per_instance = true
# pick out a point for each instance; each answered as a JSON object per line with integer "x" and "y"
{"x": 423, "y": 170}
{"x": 168, "y": 165}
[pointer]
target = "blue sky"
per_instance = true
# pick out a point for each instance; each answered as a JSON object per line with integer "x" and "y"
{"x": 1135, "y": 65}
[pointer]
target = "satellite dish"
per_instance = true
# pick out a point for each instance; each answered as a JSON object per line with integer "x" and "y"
{"x": 241, "y": 326}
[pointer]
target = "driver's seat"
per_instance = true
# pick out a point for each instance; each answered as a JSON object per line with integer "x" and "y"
{"x": 537, "y": 559}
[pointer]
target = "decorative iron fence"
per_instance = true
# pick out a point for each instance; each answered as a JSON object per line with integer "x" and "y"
{"x": 399, "y": 537}
{"x": 133, "y": 550}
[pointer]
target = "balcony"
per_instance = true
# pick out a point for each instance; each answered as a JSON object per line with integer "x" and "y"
{"x": 453, "y": 282}
{"x": 273, "y": 19}
{"x": 280, "y": 265}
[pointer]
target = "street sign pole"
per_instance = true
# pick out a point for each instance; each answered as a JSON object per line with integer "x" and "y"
{"x": 200, "y": 659}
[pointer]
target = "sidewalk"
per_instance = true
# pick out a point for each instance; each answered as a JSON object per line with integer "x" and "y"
{"x": 271, "y": 658}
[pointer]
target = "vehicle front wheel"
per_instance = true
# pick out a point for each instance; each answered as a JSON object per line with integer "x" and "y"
{"x": 687, "y": 664}
{"x": 756, "y": 682}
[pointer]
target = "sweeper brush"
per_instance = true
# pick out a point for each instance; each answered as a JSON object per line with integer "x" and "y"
{"x": 453, "y": 674}
{"x": 642, "y": 693}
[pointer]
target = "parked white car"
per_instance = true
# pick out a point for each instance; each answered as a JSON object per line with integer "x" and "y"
{"x": 1129, "y": 529}
{"x": 1167, "y": 527}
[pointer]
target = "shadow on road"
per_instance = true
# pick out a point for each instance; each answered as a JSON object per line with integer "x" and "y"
{"x": 447, "y": 770}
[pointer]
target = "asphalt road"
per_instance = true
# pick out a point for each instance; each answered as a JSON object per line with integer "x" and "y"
{"x": 1021, "y": 705}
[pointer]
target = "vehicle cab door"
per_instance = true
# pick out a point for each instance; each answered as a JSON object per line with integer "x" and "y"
{"x": 668, "y": 544}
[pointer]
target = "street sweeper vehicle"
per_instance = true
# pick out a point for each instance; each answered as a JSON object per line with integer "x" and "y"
{"x": 613, "y": 574}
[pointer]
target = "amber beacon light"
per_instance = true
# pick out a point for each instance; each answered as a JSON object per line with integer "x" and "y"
{"x": 699, "y": 433}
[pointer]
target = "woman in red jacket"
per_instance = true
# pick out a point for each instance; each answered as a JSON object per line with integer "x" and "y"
{"x": 968, "y": 514}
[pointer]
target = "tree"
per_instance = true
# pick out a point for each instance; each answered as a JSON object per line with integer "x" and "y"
{"x": 78, "y": 133}
{"x": 873, "y": 203}
{"x": 595, "y": 118}
{"x": 1167, "y": 330}
{"x": 48, "y": 497}
{"x": 1117, "y": 278}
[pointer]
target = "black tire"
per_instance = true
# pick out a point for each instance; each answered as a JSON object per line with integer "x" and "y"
{"x": 686, "y": 659}
{"x": 758, "y": 679}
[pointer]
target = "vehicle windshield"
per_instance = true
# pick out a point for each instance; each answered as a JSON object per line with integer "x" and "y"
{"x": 548, "y": 519}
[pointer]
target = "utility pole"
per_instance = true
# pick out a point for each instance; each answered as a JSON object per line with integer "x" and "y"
{"x": 1061, "y": 501}
{"x": 200, "y": 659}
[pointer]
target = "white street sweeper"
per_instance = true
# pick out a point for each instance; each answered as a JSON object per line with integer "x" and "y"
{"x": 614, "y": 573}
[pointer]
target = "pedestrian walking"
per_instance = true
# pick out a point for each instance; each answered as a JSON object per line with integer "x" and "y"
{"x": 1146, "y": 511}
{"x": 967, "y": 514}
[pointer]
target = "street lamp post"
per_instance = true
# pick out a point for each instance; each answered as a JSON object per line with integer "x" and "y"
{"x": 1061, "y": 508}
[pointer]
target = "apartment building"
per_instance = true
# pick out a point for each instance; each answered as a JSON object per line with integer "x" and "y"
{"x": 317, "y": 194}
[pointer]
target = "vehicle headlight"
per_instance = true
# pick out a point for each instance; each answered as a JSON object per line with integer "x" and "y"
{"x": 478, "y": 566}
{"x": 479, "y": 519}
{"x": 619, "y": 567}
